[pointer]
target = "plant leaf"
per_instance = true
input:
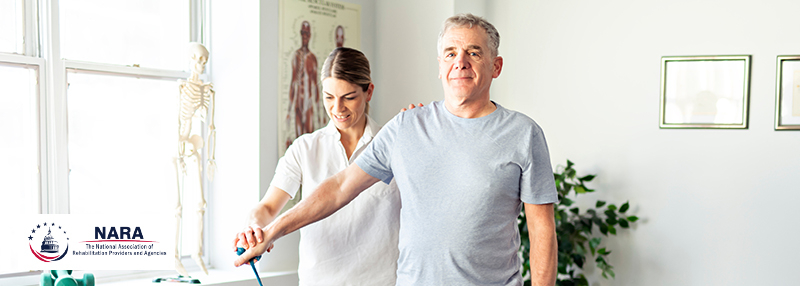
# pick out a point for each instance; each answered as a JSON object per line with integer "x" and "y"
{"x": 593, "y": 243}
{"x": 566, "y": 202}
{"x": 578, "y": 259}
{"x": 624, "y": 207}
{"x": 581, "y": 281}
{"x": 612, "y": 207}
{"x": 599, "y": 204}
{"x": 587, "y": 178}
{"x": 575, "y": 210}
{"x": 600, "y": 261}
{"x": 603, "y": 228}
{"x": 632, "y": 218}
{"x": 567, "y": 187}
{"x": 580, "y": 189}
{"x": 623, "y": 223}
{"x": 610, "y": 213}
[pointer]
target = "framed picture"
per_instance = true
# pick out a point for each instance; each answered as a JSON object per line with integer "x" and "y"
{"x": 787, "y": 93}
{"x": 705, "y": 92}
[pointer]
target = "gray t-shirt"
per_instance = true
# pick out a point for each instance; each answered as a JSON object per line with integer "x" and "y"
{"x": 461, "y": 185}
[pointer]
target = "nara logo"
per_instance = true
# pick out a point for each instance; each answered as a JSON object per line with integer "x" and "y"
{"x": 48, "y": 242}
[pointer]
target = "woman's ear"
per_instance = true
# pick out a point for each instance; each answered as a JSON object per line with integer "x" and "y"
{"x": 369, "y": 91}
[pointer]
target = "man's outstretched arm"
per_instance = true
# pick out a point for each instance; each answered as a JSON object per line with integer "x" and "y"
{"x": 544, "y": 245}
{"x": 333, "y": 194}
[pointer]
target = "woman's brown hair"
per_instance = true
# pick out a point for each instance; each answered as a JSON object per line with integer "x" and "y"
{"x": 350, "y": 65}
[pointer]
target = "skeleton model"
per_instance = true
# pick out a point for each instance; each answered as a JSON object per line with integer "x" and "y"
{"x": 196, "y": 100}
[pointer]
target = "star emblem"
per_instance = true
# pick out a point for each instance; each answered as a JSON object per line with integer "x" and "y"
{"x": 33, "y": 231}
{"x": 52, "y": 224}
{"x": 30, "y": 237}
{"x": 37, "y": 226}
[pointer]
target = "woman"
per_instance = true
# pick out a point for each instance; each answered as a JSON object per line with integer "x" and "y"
{"x": 357, "y": 245}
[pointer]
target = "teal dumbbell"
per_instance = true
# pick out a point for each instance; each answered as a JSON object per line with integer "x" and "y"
{"x": 64, "y": 278}
{"x": 252, "y": 263}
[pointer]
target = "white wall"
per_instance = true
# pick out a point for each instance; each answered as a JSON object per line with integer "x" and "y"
{"x": 234, "y": 70}
{"x": 719, "y": 206}
{"x": 404, "y": 68}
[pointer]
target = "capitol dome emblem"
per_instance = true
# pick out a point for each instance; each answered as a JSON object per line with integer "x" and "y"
{"x": 54, "y": 242}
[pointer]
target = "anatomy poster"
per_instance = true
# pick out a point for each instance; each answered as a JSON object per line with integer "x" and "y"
{"x": 309, "y": 31}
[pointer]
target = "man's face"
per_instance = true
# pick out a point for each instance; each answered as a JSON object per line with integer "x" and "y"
{"x": 466, "y": 65}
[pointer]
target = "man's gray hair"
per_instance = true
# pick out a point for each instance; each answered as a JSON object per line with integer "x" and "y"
{"x": 468, "y": 20}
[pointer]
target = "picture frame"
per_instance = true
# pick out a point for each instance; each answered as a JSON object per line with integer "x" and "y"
{"x": 787, "y": 93}
{"x": 705, "y": 92}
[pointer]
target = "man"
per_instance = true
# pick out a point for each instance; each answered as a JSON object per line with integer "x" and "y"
{"x": 464, "y": 167}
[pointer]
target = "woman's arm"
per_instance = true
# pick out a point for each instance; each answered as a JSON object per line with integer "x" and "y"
{"x": 262, "y": 214}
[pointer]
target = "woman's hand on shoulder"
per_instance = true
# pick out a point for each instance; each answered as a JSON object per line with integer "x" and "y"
{"x": 410, "y": 106}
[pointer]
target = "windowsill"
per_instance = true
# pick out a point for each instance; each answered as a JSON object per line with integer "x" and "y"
{"x": 241, "y": 276}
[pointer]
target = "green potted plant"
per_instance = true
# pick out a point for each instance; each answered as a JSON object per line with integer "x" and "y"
{"x": 577, "y": 240}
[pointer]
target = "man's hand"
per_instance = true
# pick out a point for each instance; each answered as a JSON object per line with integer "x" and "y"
{"x": 410, "y": 106}
{"x": 248, "y": 237}
{"x": 264, "y": 245}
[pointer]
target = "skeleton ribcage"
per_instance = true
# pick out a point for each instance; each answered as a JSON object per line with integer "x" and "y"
{"x": 194, "y": 102}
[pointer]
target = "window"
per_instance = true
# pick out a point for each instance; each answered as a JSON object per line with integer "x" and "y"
{"x": 148, "y": 33}
{"x": 121, "y": 129}
{"x": 19, "y": 145}
{"x": 89, "y": 108}
{"x": 12, "y": 26}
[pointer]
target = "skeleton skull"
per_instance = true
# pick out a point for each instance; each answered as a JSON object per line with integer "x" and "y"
{"x": 199, "y": 57}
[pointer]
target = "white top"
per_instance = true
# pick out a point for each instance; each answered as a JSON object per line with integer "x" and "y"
{"x": 357, "y": 245}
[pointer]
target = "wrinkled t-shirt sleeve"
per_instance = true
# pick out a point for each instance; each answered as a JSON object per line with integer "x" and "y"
{"x": 537, "y": 185}
{"x": 376, "y": 160}
{"x": 288, "y": 173}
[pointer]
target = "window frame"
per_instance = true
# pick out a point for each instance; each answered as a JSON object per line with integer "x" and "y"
{"x": 39, "y": 65}
{"x": 41, "y": 46}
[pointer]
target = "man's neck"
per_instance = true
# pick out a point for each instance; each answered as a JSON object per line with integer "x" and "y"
{"x": 469, "y": 108}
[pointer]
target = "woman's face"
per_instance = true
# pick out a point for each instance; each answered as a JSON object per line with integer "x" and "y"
{"x": 346, "y": 103}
